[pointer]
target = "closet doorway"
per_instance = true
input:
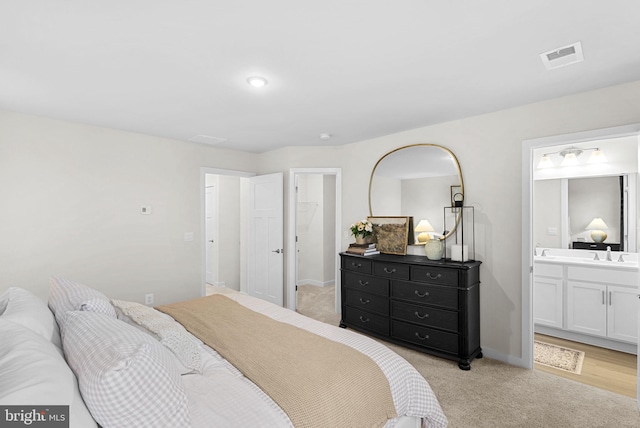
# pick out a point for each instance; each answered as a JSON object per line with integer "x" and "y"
{"x": 314, "y": 239}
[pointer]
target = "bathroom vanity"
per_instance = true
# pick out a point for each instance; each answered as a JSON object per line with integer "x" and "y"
{"x": 586, "y": 300}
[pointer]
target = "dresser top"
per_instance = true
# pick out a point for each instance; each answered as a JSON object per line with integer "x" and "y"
{"x": 416, "y": 260}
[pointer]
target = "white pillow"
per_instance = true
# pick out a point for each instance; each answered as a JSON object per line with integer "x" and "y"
{"x": 126, "y": 377}
{"x": 66, "y": 295}
{"x": 25, "y": 308}
{"x": 33, "y": 372}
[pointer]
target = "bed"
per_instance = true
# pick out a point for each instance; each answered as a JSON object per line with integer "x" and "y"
{"x": 119, "y": 364}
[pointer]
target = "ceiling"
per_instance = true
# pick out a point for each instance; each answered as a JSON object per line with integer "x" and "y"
{"x": 356, "y": 70}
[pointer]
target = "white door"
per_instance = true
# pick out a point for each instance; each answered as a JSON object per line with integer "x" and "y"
{"x": 547, "y": 301}
{"x": 587, "y": 308}
{"x": 265, "y": 240}
{"x": 622, "y": 313}
{"x": 211, "y": 232}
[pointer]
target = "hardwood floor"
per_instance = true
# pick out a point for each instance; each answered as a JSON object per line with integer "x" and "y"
{"x": 611, "y": 370}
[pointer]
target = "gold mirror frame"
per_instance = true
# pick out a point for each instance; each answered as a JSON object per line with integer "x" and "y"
{"x": 455, "y": 161}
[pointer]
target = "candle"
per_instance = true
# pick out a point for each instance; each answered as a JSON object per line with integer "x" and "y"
{"x": 459, "y": 253}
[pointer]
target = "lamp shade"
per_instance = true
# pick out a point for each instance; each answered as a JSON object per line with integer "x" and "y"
{"x": 597, "y": 228}
{"x": 424, "y": 227}
{"x": 596, "y": 224}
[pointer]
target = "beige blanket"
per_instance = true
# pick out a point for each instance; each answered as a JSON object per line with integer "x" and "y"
{"x": 316, "y": 381}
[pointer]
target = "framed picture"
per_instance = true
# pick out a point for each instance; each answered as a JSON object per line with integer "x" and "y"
{"x": 456, "y": 195}
{"x": 392, "y": 234}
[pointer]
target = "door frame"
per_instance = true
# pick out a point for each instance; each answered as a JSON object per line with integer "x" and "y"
{"x": 203, "y": 215}
{"x": 291, "y": 235}
{"x": 528, "y": 147}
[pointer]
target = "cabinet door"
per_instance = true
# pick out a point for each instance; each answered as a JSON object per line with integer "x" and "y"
{"x": 586, "y": 308}
{"x": 622, "y": 316}
{"x": 548, "y": 301}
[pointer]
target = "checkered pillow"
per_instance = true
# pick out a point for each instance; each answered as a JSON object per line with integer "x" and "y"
{"x": 65, "y": 296}
{"x": 126, "y": 377}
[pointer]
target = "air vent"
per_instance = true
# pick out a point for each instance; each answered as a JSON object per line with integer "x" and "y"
{"x": 563, "y": 56}
{"x": 207, "y": 139}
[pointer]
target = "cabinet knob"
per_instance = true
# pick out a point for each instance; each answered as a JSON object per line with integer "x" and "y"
{"x": 364, "y": 284}
{"x": 421, "y": 316}
{"x": 365, "y": 302}
{"x": 438, "y": 276}
{"x": 356, "y": 265}
{"x": 387, "y": 270}
{"x": 425, "y": 294}
{"x": 365, "y": 319}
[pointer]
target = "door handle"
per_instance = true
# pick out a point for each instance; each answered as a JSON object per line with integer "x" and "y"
{"x": 279, "y": 250}
{"x": 210, "y": 240}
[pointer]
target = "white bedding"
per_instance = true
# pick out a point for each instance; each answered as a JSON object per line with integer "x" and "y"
{"x": 222, "y": 396}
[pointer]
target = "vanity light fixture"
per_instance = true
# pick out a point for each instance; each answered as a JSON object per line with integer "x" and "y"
{"x": 570, "y": 157}
{"x": 257, "y": 81}
{"x": 424, "y": 227}
{"x": 597, "y": 228}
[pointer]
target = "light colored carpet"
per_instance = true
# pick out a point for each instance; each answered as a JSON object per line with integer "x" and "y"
{"x": 494, "y": 394}
{"x": 558, "y": 357}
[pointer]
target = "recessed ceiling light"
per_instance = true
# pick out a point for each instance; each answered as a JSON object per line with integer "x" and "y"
{"x": 325, "y": 136}
{"x": 257, "y": 81}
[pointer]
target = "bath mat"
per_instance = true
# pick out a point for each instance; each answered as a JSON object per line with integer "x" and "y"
{"x": 558, "y": 357}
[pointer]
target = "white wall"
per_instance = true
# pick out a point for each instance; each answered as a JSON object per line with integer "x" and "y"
{"x": 70, "y": 198}
{"x": 489, "y": 149}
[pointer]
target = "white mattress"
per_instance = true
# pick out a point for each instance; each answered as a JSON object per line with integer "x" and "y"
{"x": 222, "y": 396}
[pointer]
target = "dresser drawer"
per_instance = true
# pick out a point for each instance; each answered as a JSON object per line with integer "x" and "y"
{"x": 366, "y": 301}
{"x": 436, "y": 295}
{"x": 425, "y": 315}
{"x": 356, "y": 264}
{"x": 391, "y": 270}
{"x": 427, "y": 337}
{"x": 367, "y": 320}
{"x": 366, "y": 283}
{"x": 434, "y": 275}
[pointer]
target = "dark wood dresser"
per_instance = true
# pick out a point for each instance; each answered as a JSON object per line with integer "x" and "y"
{"x": 429, "y": 306}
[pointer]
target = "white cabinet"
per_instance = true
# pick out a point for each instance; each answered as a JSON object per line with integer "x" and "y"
{"x": 586, "y": 308}
{"x": 622, "y": 315}
{"x": 548, "y": 301}
{"x": 548, "y": 295}
{"x": 597, "y": 307}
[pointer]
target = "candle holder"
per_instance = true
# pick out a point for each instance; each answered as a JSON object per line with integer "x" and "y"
{"x": 460, "y": 245}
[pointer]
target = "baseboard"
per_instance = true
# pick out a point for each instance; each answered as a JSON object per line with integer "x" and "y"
{"x": 629, "y": 348}
{"x": 316, "y": 283}
{"x": 505, "y": 358}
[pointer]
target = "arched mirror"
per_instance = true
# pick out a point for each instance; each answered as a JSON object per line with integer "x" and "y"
{"x": 417, "y": 181}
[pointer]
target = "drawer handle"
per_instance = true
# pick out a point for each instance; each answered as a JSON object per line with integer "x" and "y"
{"x": 364, "y": 284}
{"x": 365, "y": 302}
{"x": 438, "y": 276}
{"x": 421, "y": 316}
{"x": 426, "y": 336}
{"x": 356, "y": 265}
{"x": 389, "y": 271}
{"x": 426, "y": 293}
{"x": 365, "y": 319}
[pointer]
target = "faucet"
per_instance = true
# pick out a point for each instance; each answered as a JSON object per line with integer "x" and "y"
{"x": 544, "y": 252}
{"x": 595, "y": 255}
{"x": 609, "y": 254}
{"x": 620, "y": 259}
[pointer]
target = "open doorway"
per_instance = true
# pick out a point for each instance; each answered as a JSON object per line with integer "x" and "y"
{"x": 314, "y": 233}
{"x": 566, "y": 303}
{"x": 224, "y": 258}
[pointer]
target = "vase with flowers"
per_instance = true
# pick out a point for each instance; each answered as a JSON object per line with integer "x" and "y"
{"x": 363, "y": 231}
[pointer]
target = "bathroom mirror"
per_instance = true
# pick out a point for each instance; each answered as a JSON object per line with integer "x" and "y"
{"x": 418, "y": 181}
